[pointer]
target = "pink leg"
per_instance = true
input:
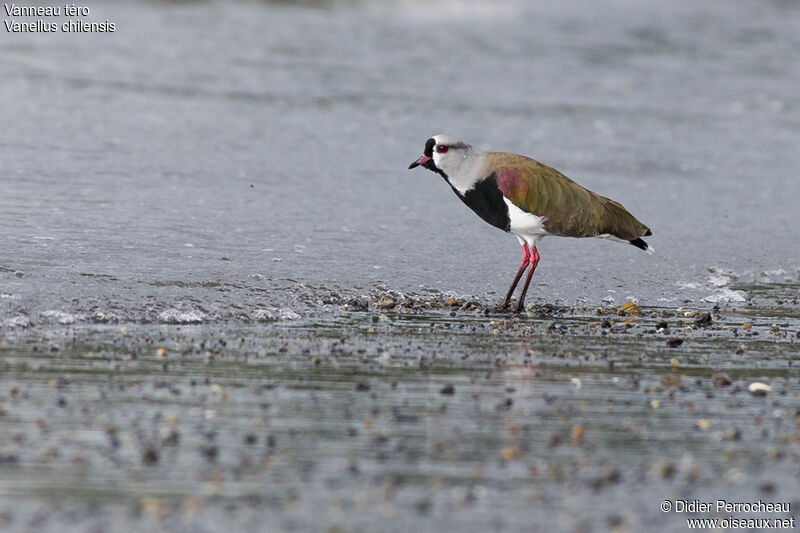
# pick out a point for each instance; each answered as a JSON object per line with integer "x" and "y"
{"x": 526, "y": 256}
{"x": 533, "y": 260}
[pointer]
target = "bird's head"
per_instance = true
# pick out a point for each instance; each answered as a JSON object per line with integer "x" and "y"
{"x": 443, "y": 154}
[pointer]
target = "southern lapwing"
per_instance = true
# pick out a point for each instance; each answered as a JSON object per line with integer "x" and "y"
{"x": 519, "y": 195}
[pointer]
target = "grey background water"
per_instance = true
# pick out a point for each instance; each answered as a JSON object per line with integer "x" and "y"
{"x": 218, "y": 141}
{"x": 242, "y": 166}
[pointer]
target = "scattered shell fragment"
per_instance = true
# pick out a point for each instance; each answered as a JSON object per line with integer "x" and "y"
{"x": 386, "y": 302}
{"x": 509, "y": 453}
{"x": 576, "y": 436}
{"x": 630, "y": 308}
{"x": 703, "y": 424}
{"x": 154, "y": 506}
{"x": 670, "y": 381}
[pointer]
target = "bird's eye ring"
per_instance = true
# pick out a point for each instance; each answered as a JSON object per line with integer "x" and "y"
{"x": 442, "y": 148}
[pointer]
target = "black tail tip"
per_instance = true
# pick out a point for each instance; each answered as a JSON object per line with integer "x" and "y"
{"x": 640, "y": 243}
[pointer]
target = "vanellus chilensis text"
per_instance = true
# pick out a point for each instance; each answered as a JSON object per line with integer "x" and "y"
{"x": 531, "y": 200}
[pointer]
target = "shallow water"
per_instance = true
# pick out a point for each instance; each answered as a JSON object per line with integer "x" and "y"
{"x": 215, "y": 172}
{"x": 272, "y": 140}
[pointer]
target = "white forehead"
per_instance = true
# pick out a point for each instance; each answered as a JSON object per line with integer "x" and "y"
{"x": 449, "y": 140}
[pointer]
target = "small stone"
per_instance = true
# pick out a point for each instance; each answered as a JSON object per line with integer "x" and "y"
{"x": 703, "y": 320}
{"x": 674, "y": 342}
{"x": 611, "y": 477}
{"x": 721, "y": 379}
{"x": 504, "y": 405}
{"x": 768, "y": 487}
{"x": 150, "y": 456}
{"x": 172, "y": 438}
{"x": 209, "y": 452}
{"x": 668, "y": 470}
{"x": 759, "y": 389}
{"x": 733, "y": 433}
{"x": 747, "y": 325}
{"x": 448, "y": 389}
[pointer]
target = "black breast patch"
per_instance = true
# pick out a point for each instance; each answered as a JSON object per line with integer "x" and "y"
{"x": 486, "y": 200}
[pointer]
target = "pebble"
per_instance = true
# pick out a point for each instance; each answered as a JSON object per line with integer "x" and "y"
{"x": 759, "y": 389}
{"x": 721, "y": 379}
{"x": 703, "y": 320}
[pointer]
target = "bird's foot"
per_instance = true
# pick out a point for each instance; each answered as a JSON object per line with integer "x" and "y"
{"x": 505, "y": 307}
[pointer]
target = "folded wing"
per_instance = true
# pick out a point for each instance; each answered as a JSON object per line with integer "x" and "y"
{"x": 570, "y": 210}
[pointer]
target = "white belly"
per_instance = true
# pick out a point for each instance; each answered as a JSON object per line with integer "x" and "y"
{"x": 525, "y": 225}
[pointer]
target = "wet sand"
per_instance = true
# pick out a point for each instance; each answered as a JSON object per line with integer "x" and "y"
{"x": 385, "y": 411}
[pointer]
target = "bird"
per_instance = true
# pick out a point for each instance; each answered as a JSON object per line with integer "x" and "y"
{"x": 522, "y": 196}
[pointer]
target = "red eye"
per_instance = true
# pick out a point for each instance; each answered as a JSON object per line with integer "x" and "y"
{"x": 442, "y": 148}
